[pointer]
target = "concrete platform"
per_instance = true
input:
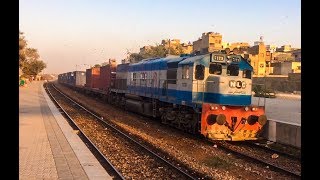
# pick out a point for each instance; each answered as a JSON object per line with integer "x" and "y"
{"x": 48, "y": 147}
{"x": 283, "y": 132}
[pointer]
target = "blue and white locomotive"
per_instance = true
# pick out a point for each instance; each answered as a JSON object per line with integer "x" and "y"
{"x": 208, "y": 94}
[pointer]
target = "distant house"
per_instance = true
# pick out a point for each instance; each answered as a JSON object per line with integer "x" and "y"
{"x": 284, "y": 68}
{"x": 296, "y": 54}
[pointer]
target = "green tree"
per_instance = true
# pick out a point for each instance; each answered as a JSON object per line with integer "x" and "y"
{"x": 33, "y": 68}
{"x": 97, "y": 65}
{"x": 136, "y": 57}
{"x": 155, "y": 51}
{"x": 176, "y": 50}
{"x": 29, "y": 58}
{"x": 32, "y": 54}
{"x": 22, "y": 48}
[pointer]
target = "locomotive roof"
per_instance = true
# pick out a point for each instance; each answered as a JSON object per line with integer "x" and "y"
{"x": 162, "y": 63}
{"x": 243, "y": 64}
{"x": 155, "y": 64}
{"x": 192, "y": 59}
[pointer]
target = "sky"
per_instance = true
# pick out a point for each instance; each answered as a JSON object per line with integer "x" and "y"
{"x": 75, "y": 34}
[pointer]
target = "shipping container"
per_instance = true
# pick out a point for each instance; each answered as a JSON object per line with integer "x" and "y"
{"x": 69, "y": 78}
{"x": 93, "y": 77}
{"x": 108, "y": 75}
{"x": 79, "y": 78}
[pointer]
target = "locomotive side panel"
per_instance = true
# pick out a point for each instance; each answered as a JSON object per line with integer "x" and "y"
{"x": 121, "y": 78}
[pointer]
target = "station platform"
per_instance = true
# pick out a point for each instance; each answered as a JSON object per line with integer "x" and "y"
{"x": 283, "y": 132}
{"x": 48, "y": 146}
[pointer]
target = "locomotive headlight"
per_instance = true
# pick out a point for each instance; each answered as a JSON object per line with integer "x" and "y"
{"x": 254, "y": 109}
{"x": 213, "y": 107}
{"x": 221, "y": 119}
{"x": 262, "y": 120}
{"x": 223, "y": 108}
{"x": 246, "y": 108}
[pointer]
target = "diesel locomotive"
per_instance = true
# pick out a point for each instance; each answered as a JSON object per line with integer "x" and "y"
{"x": 209, "y": 94}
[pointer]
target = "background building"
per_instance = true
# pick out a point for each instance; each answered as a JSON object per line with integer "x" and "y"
{"x": 271, "y": 48}
{"x": 225, "y": 45}
{"x": 257, "y": 56}
{"x": 296, "y": 54}
{"x": 284, "y": 48}
{"x": 209, "y": 42}
{"x": 239, "y": 45}
{"x": 284, "y": 68}
{"x": 170, "y": 43}
{"x": 187, "y": 48}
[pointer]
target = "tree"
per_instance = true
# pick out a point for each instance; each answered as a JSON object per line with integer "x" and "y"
{"x": 22, "y": 49}
{"x": 176, "y": 50}
{"x": 33, "y": 68}
{"x": 155, "y": 51}
{"x": 29, "y": 58}
{"x": 32, "y": 54}
{"x": 136, "y": 57}
{"x": 97, "y": 65}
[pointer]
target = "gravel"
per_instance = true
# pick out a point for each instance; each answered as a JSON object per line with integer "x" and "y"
{"x": 187, "y": 149}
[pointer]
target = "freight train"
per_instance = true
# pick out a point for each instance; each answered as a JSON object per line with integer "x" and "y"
{"x": 208, "y": 94}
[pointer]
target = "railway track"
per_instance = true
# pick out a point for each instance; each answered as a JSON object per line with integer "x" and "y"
{"x": 296, "y": 155}
{"x": 265, "y": 164}
{"x": 159, "y": 165}
{"x": 102, "y": 159}
{"x": 288, "y": 165}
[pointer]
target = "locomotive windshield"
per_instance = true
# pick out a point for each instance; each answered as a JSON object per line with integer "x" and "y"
{"x": 215, "y": 68}
{"x": 233, "y": 70}
{"x": 247, "y": 74}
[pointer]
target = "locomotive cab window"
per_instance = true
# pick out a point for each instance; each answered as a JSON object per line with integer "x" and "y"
{"x": 233, "y": 70}
{"x": 246, "y": 74}
{"x": 185, "y": 72}
{"x": 134, "y": 78}
{"x": 143, "y": 78}
{"x": 215, "y": 68}
{"x": 199, "y": 74}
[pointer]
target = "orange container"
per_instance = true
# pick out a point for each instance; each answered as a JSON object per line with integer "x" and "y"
{"x": 108, "y": 75}
{"x": 93, "y": 77}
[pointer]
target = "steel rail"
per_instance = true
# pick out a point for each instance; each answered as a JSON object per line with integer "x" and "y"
{"x": 256, "y": 159}
{"x": 86, "y": 137}
{"x": 128, "y": 137}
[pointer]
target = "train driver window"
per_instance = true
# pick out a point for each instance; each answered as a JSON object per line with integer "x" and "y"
{"x": 199, "y": 74}
{"x": 134, "y": 78}
{"x": 215, "y": 68}
{"x": 185, "y": 72}
{"x": 233, "y": 70}
{"x": 246, "y": 74}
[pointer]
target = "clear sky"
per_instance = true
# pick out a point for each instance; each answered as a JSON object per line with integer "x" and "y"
{"x": 71, "y": 33}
